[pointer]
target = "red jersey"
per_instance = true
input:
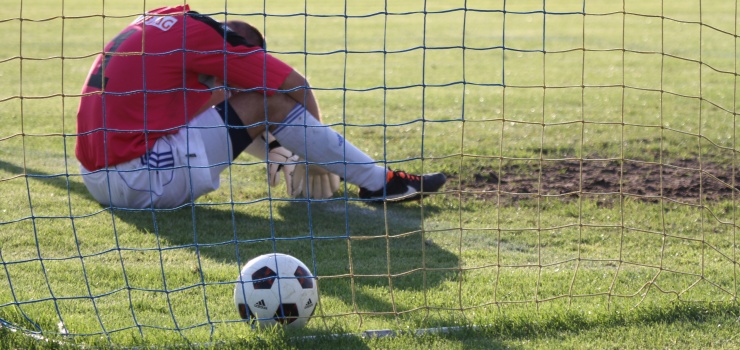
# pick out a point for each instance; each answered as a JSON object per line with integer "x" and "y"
{"x": 145, "y": 84}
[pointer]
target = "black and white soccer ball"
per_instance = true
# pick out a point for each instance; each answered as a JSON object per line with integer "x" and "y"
{"x": 276, "y": 289}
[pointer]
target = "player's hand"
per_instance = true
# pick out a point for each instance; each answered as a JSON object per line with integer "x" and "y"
{"x": 312, "y": 181}
{"x": 279, "y": 158}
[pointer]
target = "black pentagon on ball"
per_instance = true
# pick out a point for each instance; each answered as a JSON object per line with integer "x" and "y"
{"x": 286, "y": 313}
{"x": 304, "y": 277}
{"x": 245, "y": 312}
{"x": 263, "y": 278}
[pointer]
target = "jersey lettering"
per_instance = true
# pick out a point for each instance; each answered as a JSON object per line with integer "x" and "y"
{"x": 162, "y": 22}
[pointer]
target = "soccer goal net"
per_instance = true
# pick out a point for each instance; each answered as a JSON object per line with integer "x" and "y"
{"x": 590, "y": 148}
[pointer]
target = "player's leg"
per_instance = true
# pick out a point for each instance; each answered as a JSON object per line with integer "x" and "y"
{"x": 299, "y": 131}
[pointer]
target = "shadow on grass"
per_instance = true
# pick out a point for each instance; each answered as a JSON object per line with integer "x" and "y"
{"x": 64, "y": 182}
{"x": 509, "y": 330}
{"x": 361, "y": 253}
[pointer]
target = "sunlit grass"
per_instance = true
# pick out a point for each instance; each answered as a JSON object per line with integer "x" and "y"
{"x": 427, "y": 87}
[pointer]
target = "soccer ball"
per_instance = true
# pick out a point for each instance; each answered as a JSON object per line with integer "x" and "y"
{"x": 276, "y": 289}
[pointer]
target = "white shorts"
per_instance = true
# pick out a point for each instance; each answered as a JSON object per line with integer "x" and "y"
{"x": 178, "y": 169}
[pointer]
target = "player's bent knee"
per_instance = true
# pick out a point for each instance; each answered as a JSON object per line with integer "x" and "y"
{"x": 256, "y": 108}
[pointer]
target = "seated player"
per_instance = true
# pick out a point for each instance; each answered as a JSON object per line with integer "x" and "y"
{"x": 144, "y": 139}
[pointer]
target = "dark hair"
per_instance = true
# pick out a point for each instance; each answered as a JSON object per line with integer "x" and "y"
{"x": 247, "y": 31}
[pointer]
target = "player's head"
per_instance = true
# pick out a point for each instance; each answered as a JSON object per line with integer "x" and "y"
{"x": 247, "y": 31}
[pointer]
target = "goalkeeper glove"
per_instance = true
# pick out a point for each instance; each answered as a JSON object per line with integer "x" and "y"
{"x": 312, "y": 181}
{"x": 279, "y": 158}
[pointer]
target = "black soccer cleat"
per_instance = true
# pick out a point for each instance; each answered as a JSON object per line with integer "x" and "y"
{"x": 401, "y": 186}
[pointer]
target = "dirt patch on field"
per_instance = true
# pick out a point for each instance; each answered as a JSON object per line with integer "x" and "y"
{"x": 684, "y": 180}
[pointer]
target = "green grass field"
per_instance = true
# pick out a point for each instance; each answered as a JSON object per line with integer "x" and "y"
{"x": 423, "y": 86}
